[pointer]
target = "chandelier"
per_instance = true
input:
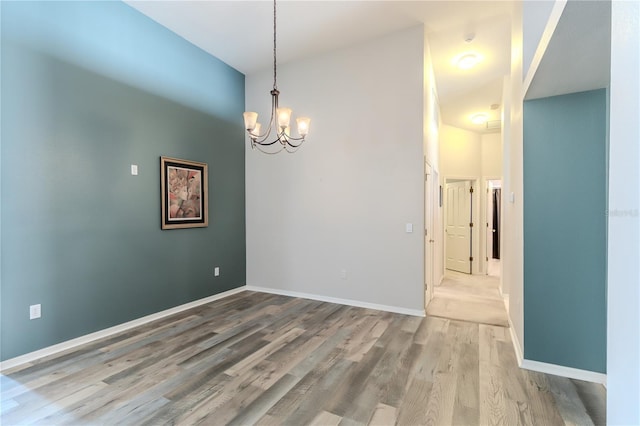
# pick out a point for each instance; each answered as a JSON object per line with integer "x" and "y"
{"x": 279, "y": 121}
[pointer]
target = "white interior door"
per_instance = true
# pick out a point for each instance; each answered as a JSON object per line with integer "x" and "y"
{"x": 457, "y": 229}
{"x": 429, "y": 234}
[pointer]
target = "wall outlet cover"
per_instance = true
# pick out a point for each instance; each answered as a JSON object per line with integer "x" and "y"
{"x": 35, "y": 311}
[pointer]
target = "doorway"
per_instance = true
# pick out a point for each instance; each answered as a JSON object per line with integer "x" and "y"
{"x": 493, "y": 226}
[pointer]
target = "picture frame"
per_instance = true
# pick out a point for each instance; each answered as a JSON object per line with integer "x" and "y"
{"x": 184, "y": 193}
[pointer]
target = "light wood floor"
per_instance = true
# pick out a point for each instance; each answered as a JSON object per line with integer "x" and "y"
{"x": 255, "y": 358}
{"x": 465, "y": 297}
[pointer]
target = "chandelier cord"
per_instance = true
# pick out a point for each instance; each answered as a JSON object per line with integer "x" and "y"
{"x": 275, "y": 68}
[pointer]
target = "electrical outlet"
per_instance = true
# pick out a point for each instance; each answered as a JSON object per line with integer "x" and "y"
{"x": 216, "y": 271}
{"x": 35, "y": 311}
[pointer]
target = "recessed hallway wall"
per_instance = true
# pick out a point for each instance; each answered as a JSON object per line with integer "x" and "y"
{"x": 565, "y": 202}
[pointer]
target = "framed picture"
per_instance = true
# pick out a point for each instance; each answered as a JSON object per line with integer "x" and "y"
{"x": 184, "y": 193}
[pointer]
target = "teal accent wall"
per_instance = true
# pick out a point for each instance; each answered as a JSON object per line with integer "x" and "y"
{"x": 89, "y": 88}
{"x": 565, "y": 202}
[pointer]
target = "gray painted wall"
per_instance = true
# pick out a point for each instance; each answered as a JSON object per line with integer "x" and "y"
{"x": 89, "y": 88}
{"x": 565, "y": 202}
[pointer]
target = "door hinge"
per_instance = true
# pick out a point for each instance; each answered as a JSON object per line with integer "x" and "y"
{"x": 426, "y": 177}
{"x": 471, "y": 225}
{"x": 471, "y": 190}
{"x": 470, "y": 258}
{"x": 425, "y": 232}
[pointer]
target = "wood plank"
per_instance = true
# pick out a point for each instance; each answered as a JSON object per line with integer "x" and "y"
{"x": 383, "y": 415}
{"x": 267, "y": 359}
{"x": 326, "y": 418}
{"x": 261, "y": 405}
{"x": 264, "y": 352}
{"x": 413, "y": 407}
{"x": 568, "y": 402}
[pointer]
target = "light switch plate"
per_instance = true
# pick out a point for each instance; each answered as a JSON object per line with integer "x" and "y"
{"x": 134, "y": 169}
{"x": 409, "y": 227}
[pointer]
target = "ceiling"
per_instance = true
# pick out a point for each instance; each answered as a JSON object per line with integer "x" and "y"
{"x": 578, "y": 55}
{"x": 240, "y": 34}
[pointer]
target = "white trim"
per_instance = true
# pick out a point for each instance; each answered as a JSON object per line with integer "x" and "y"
{"x": 505, "y": 299}
{"x": 559, "y": 370}
{"x": 516, "y": 343}
{"x": 348, "y": 302}
{"x": 69, "y": 344}
{"x": 556, "y": 370}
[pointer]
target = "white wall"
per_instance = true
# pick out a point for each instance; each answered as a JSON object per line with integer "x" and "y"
{"x": 431, "y": 139}
{"x": 512, "y": 242}
{"x": 506, "y": 155}
{"x": 342, "y": 201}
{"x": 491, "y": 160}
{"x": 623, "y": 318}
{"x": 460, "y": 152}
{"x": 431, "y": 111}
{"x": 535, "y": 16}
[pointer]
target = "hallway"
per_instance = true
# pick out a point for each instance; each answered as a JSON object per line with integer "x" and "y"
{"x": 472, "y": 298}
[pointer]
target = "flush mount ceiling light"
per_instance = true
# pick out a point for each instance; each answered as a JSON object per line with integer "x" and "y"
{"x": 479, "y": 118}
{"x": 467, "y": 60}
{"x": 279, "y": 121}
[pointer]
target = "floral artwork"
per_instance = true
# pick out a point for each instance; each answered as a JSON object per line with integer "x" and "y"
{"x": 184, "y": 188}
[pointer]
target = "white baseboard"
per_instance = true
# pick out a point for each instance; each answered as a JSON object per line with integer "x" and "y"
{"x": 69, "y": 344}
{"x": 516, "y": 343}
{"x": 505, "y": 299}
{"x": 559, "y": 370}
{"x": 348, "y": 302}
{"x": 556, "y": 370}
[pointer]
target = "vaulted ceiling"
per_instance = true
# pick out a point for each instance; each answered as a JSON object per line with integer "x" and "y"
{"x": 240, "y": 34}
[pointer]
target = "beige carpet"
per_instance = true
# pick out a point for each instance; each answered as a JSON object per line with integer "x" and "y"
{"x": 472, "y": 298}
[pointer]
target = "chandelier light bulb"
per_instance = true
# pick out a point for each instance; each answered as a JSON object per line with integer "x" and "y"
{"x": 250, "y": 119}
{"x": 284, "y": 117}
{"x": 303, "y": 125}
{"x": 255, "y": 132}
